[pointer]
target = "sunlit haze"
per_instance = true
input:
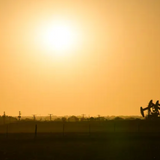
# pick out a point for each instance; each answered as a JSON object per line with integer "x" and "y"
{"x": 67, "y": 57}
{"x": 57, "y": 37}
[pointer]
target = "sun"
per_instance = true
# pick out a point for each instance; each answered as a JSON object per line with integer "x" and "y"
{"x": 57, "y": 38}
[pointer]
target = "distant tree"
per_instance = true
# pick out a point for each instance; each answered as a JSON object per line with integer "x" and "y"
{"x": 73, "y": 119}
{"x": 57, "y": 119}
{"x": 83, "y": 118}
{"x": 118, "y": 118}
{"x": 130, "y": 118}
{"x": 64, "y": 119}
{"x": 27, "y": 119}
{"x": 92, "y": 119}
{"x": 8, "y": 119}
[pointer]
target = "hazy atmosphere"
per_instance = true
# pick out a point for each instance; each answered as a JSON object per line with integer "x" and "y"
{"x": 74, "y": 57}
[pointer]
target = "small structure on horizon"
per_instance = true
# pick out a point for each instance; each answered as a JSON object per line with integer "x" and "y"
{"x": 153, "y": 110}
{"x": 50, "y": 117}
{"x": 34, "y": 117}
{"x": 4, "y": 117}
{"x": 19, "y": 117}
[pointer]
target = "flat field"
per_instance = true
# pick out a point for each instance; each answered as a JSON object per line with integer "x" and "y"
{"x": 96, "y": 141}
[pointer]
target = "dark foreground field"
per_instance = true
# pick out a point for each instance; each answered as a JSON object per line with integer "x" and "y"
{"x": 108, "y": 140}
{"x": 80, "y": 146}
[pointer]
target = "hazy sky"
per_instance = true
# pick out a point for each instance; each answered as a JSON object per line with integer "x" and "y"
{"x": 113, "y": 70}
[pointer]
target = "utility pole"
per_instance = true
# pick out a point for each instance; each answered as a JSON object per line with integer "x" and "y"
{"x": 19, "y": 117}
{"x": 34, "y": 117}
{"x": 4, "y": 118}
{"x": 50, "y": 115}
{"x": 83, "y": 119}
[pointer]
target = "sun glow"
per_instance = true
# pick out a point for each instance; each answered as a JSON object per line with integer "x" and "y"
{"x": 58, "y": 38}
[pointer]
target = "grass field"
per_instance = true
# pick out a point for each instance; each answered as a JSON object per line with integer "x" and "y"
{"x": 116, "y": 143}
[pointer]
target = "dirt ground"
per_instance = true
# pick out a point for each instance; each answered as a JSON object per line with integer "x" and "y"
{"x": 80, "y": 146}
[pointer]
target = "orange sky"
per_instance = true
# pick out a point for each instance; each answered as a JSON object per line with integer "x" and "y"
{"x": 113, "y": 71}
